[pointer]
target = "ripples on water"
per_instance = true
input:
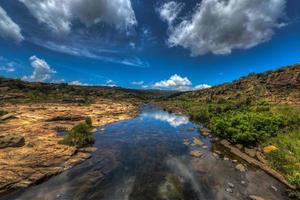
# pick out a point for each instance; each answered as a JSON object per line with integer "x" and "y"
{"x": 145, "y": 159}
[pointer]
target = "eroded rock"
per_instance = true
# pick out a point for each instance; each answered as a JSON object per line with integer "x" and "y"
{"x": 11, "y": 141}
{"x": 196, "y": 153}
{"x": 240, "y": 167}
{"x": 254, "y": 197}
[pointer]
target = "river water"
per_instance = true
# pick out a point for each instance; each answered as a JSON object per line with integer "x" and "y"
{"x": 145, "y": 159}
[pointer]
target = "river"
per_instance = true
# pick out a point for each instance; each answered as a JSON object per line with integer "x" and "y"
{"x": 145, "y": 158}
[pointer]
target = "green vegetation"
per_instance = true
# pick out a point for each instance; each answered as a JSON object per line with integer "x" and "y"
{"x": 254, "y": 122}
{"x": 80, "y": 135}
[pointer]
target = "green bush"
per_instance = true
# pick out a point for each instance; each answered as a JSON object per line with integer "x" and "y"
{"x": 88, "y": 121}
{"x": 246, "y": 127}
{"x": 295, "y": 179}
{"x": 202, "y": 115}
{"x": 80, "y": 136}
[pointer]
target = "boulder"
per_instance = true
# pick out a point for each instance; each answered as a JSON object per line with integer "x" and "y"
{"x": 205, "y": 131}
{"x": 240, "y": 167}
{"x": 6, "y": 117}
{"x": 197, "y": 154}
{"x": 11, "y": 141}
{"x": 197, "y": 141}
{"x": 250, "y": 152}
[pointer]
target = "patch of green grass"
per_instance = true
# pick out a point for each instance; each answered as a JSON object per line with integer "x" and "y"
{"x": 287, "y": 158}
{"x": 80, "y": 135}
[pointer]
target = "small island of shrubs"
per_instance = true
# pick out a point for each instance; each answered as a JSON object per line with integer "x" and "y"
{"x": 80, "y": 135}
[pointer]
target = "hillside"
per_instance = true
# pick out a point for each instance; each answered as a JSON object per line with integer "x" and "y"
{"x": 14, "y": 90}
{"x": 278, "y": 86}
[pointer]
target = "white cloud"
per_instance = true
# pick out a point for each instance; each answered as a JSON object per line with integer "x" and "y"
{"x": 110, "y": 83}
{"x": 202, "y": 86}
{"x": 169, "y": 11}
{"x": 78, "y": 83}
{"x": 9, "y": 67}
{"x": 172, "y": 119}
{"x": 219, "y": 26}
{"x": 8, "y": 28}
{"x": 41, "y": 70}
{"x": 137, "y": 83}
{"x": 78, "y": 49}
{"x": 175, "y": 82}
{"x": 59, "y": 14}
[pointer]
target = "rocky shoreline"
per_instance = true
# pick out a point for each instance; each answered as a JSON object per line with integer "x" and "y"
{"x": 29, "y": 141}
{"x": 251, "y": 156}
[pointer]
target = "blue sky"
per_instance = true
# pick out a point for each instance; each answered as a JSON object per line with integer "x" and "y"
{"x": 146, "y": 44}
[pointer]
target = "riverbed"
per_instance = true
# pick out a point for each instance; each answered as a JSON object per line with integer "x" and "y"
{"x": 149, "y": 158}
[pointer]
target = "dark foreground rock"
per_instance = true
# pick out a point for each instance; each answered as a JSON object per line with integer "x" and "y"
{"x": 11, "y": 141}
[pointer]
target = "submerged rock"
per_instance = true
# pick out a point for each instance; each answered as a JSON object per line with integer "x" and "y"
{"x": 172, "y": 188}
{"x": 253, "y": 197}
{"x": 197, "y": 154}
{"x": 186, "y": 142}
{"x": 11, "y": 141}
{"x": 197, "y": 141}
{"x": 205, "y": 131}
{"x": 240, "y": 167}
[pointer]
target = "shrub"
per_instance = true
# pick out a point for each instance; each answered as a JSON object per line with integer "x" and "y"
{"x": 88, "y": 121}
{"x": 246, "y": 127}
{"x": 79, "y": 136}
{"x": 202, "y": 115}
{"x": 295, "y": 179}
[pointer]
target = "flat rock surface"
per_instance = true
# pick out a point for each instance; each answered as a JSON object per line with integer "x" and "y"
{"x": 42, "y": 156}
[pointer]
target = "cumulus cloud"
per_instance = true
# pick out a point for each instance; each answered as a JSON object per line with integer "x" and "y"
{"x": 78, "y": 83}
{"x": 219, "y": 26}
{"x": 169, "y": 11}
{"x": 137, "y": 83}
{"x": 59, "y": 15}
{"x": 41, "y": 70}
{"x": 174, "y": 82}
{"x": 9, "y": 67}
{"x": 202, "y": 86}
{"x": 110, "y": 83}
{"x": 8, "y": 28}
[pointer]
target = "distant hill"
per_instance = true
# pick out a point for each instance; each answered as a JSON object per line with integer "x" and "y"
{"x": 278, "y": 86}
{"x": 15, "y": 90}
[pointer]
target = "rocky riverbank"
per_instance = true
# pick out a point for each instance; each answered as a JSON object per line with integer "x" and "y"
{"x": 29, "y": 148}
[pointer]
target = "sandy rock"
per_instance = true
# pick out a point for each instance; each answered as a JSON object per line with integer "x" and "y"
{"x": 205, "y": 131}
{"x": 7, "y": 116}
{"x": 11, "y": 141}
{"x": 240, "y": 167}
{"x": 250, "y": 152}
{"x": 239, "y": 146}
{"x": 43, "y": 156}
{"x": 197, "y": 141}
{"x": 197, "y": 154}
{"x": 254, "y": 197}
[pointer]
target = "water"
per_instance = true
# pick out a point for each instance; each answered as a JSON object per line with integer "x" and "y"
{"x": 145, "y": 159}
